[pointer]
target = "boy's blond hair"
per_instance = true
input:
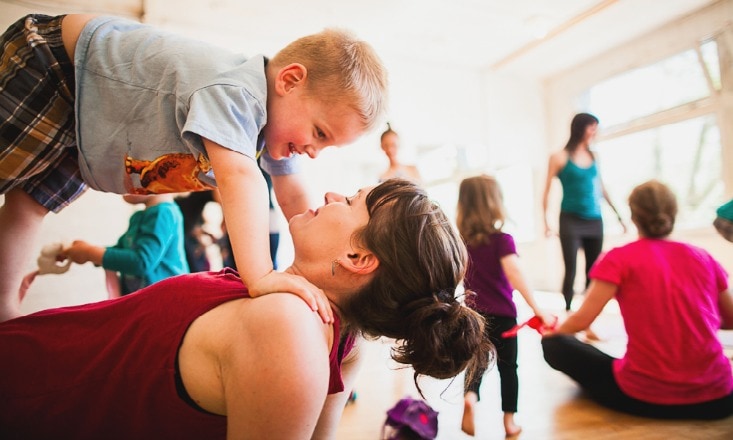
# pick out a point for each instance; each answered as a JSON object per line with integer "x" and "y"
{"x": 343, "y": 69}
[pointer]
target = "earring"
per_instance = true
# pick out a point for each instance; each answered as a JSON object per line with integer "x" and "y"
{"x": 333, "y": 267}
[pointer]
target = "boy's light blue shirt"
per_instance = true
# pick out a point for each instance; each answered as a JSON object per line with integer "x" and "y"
{"x": 145, "y": 98}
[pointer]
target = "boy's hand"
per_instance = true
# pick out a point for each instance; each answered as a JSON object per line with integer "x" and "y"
{"x": 297, "y": 285}
{"x": 81, "y": 252}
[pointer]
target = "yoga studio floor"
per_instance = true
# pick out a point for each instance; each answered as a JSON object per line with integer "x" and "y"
{"x": 551, "y": 407}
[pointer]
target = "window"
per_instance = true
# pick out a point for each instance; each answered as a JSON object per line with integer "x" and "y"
{"x": 644, "y": 140}
{"x": 684, "y": 155}
{"x": 647, "y": 90}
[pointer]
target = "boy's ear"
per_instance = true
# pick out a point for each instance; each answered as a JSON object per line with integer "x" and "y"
{"x": 360, "y": 262}
{"x": 290, "y": 77}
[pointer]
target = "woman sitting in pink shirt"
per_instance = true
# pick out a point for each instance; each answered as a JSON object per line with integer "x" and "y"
{"x": 673, "y": 299}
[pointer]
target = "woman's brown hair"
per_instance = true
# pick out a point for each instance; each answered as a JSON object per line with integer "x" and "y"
{"x": 412, "y": 297}
{"x": 653, "y": 209}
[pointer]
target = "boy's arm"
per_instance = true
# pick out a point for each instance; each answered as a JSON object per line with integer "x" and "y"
{"x": 291, "y": 194}
{"x": 81, "y": 252}
{"x": 245, "y": 205}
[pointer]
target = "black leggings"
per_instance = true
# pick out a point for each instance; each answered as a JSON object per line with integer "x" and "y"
{"x": 593, "y": 370}
{"x": 577, "y": 232}
{"x": 506, "y": 362}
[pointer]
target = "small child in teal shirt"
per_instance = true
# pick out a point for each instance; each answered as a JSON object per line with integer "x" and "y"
{"x": 150, "y": 250}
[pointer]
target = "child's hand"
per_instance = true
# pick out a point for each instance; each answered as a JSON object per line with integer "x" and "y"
{"x": 297, "y": 285}
{"x": 81, "y": 252}
{"x": 548, "y": 322}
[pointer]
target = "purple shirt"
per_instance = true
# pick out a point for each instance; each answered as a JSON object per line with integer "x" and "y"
{"x": 487, "y": 279}
{"x": 668, "y": 293}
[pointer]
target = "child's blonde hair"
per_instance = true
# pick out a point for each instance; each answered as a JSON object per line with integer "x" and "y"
{"x": 341, "y": 68}
{"x": 480, "y": 210}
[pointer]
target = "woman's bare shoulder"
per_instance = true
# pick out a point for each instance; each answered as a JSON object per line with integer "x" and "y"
{"x": 558, "y": 159}
{"x": 286, "y": 319}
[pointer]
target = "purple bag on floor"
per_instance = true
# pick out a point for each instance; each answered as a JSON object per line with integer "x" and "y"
{"x": 410, "y": 419}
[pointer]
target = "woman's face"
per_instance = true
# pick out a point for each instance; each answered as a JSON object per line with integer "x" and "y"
{"x": 390, "y": 145}
{"x": 590, "y": 132}
{"x": 326, "y": 234}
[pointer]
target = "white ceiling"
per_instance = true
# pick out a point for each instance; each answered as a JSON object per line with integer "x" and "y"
{"x": 483, "y": 34}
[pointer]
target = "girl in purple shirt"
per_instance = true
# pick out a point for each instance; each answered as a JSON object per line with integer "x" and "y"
{"x": 673, "y": 298}
{"x": 493, "y": 274}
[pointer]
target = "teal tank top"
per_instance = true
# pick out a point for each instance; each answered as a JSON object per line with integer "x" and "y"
{"x": 581, "y": 190}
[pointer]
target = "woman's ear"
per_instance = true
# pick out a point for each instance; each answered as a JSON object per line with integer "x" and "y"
{"x": 360, "y": 262}
{"x": 290, "y": 77}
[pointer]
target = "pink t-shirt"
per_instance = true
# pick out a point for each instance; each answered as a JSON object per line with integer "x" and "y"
{"x": 668, "y": 295}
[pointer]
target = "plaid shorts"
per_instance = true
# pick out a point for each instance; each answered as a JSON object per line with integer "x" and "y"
{"x": 37, "y": 126}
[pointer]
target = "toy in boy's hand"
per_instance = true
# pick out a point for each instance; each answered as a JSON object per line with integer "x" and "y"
{"x": 50, "y": 260}
{"x": 535, "y": 322}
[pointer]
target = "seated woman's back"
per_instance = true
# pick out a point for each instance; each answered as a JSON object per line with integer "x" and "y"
{"x": 668, "y": 293}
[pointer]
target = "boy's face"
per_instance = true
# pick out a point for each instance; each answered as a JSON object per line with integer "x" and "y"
{"x": 300, "y": 123}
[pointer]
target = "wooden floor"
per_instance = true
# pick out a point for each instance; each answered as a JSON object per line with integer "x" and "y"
{"x": 551, "y": 406}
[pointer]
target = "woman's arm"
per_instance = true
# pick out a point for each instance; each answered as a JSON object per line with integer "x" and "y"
{"x": 554, "y": 164}
{"x": 332, "y": 410}
{"x": 610, "y": 203}
{"x": 513, "y": 271}
{"x": 596, "y": 297}
{"x": 275, "y": 373}
{"x": 725, "y": 304}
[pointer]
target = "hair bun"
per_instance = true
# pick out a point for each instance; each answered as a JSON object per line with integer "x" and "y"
{"x": 446, "y": 338}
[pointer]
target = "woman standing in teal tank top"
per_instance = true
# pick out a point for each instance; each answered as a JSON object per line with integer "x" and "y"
{"x": 581, "y": 224}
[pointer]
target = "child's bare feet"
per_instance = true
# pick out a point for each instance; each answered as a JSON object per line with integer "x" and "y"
{"x": 510, "y": 427}
{"x": 469, "y": 401}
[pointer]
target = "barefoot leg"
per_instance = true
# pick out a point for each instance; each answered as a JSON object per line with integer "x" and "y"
{"x": 469, "y": 403}
{"x": 510, "y": 427}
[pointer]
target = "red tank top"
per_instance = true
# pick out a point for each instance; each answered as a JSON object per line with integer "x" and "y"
{"x": 108, "y": 369}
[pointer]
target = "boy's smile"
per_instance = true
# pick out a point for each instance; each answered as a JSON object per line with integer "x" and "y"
{"x": 301, "y": 122}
